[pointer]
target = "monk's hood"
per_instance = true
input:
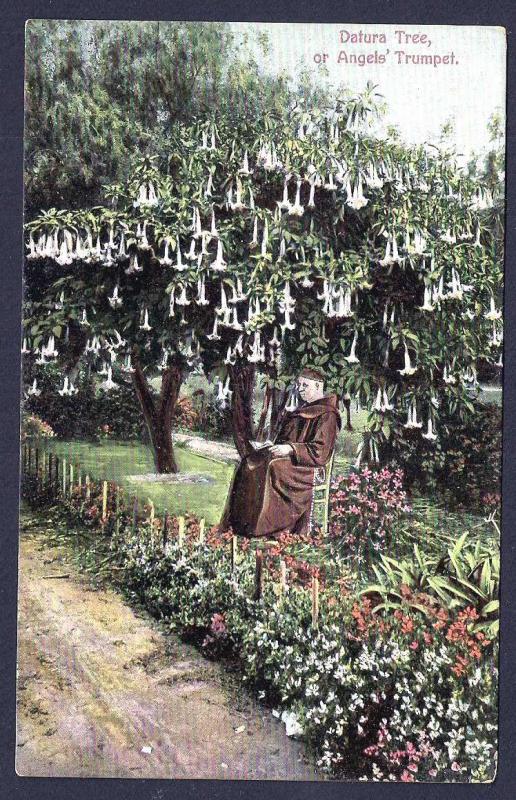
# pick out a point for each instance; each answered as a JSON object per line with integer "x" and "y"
{"x": 318, "y": 407}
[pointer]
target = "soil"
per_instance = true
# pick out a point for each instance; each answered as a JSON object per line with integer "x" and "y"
{"x": 104, "y": 691}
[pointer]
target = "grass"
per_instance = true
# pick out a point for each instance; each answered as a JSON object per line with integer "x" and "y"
{"x": 115, "y": 461}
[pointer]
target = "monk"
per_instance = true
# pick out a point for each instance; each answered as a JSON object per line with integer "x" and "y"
{"x": 272, "y": 489}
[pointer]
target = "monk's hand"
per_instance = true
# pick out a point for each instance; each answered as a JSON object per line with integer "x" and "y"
{"x": 281, "y": 450}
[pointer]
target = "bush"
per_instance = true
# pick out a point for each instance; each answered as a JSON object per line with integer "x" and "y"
{"x": 33, "y": 427}
{"x": 463, "y": 465}
{"x": 365, "y": 505}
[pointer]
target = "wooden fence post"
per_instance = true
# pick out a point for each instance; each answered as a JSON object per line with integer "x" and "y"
{"x": 202, "y": 526}
{"x": 234, "y": 544}
{"x": 166, "y": 522}
{"x": 117, "y": 509}
{"x": 55, "y": 483}
{"x": 88, "y": 487}
{"x": 151, "y": 512}
{"x": 65, "y": 475}
{"x": 70, "y": 482}
{"x": 104, "y": 501}
{"x": 258, "y": 575}
{"x": 30, "y": 460}
{"x": 79, "y": 479}
{"x": 315, "y": 602}
{"x": 36, "y": 465}
{"x": 135, "y": 514}
{"x": 50, "y": 466}
{"x": 180, "y": 531}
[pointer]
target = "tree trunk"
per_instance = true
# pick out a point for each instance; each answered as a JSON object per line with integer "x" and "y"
{"x": 242, "y": 381}
{"x": 346, "y": 401}
{"x": 159, "y": 413}
{"x": 279, "y": 401}
{"x": 263, "y": 415}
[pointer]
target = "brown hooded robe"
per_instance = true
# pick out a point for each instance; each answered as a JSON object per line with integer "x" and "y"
{"x": 269, "y": 494}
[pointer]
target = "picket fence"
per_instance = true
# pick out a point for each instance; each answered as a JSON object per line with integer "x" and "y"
{"x": 61, "y": 478}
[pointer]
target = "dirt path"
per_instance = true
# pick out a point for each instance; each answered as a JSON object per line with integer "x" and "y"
{"x": 103, "y": 692}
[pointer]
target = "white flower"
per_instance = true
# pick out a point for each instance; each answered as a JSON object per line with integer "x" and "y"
{"x": 115, "y": 301}
{"x": 109, "y": 383}
{"x": 493, "y": 312}
{"x": 145, "y": 325}
{"x": 430, "y": 435}
{"x": 352, "y": 358}
{"x": 408, "y": 369}
{"x": 34, "y": 389}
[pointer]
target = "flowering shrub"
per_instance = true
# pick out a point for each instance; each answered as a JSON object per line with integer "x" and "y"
{"x": 406, "y": 696}
{"x": 364, "y": 507}
{"x": 34, "y": 427}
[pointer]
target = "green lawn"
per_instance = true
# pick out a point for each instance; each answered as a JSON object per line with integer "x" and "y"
{"x": 116, "y": 460}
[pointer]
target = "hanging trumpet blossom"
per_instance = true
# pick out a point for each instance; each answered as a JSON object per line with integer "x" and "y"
{"x": 378, "y": 404}
{"x": 355, "y": 196}
{"x": 352, "y": 357}
{"x": 183, "y": 300}
{"x": 244, "y": 169}
{"x": 33, "y": 390}
{"x": 179, "y": 266}
{"x": 265, "y": 239}
{"x": 209, "y": 186}
{"x": 257, "y": 350}
{"x": 162, "y": 366}
{"x": 493, "y": 313}
{"x": 115, "y": 301}
{"x": 237, "y": 205}
{"x": 311, "y": 198}
{"x": 191, "y": 255}
{"x": 408, "y": 369}
{"x": 412, "y": 420}
{"x": 292, "y": 401}
{"x": 134, "y": 266}
{"x": 214, "y": 335}
{"x": 430, "y": 435}
{"x": 284, "y": 204}
{"x": 254, "y": 242}
{"x": 25, "y": 350}
{"x": 372, "y": 178}
{"x": 166, "y": 261}
{"x": 230, "y": 356}
{"x": 121, "y": 255}
{"x": 145, "y": 324}
{"x": 32, "y": 248}
{"x": 427, "y": 301}
{"x": 448, "y": 377}
{"x": 68, "y": 388}
{"x": 219, "y": 265}
{"x": 201, "y": 299}
{"x": 84, "y": 319}
{"x": 50, "y": 351}
{"x": 496, "y": 337}
{"x": 127, "y": 366}
{"x": 388, "y": 258}
{"x": 109, "y": 383}
{"x": 297, "y": 210}
{"x": 343, "y": 297}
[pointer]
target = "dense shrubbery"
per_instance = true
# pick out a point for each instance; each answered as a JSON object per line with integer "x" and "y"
{"x": 33, "y": 427}
{"x": 464, "y": 464}
{"x": 406, "y": 693}
{"x": 365, "y": 505}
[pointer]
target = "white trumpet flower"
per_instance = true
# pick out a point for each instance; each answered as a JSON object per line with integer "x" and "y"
{"x": 265, "y": 239}
{"x": 183, "y": 300}
{"x": 166, "y": 261}
{"x": 68, "y": 388}
{"x": 219, "y": 265}
{"x": 448, "y": 377}
{"x": 284, "y": 204}
{"x": 244, "y": 170}
{"x": 84, "y": 320}
{"x": 145, "y": 325}
{"x": 201, "y": 299}
{"x": 297, "y": 210}
{"x": 34, "y": 389}
{"x": 191, "y": 255}
{"x": 427, "y": 302}
{"x": 25, "y": 350}
{"x": 109, "y": 383}
{"x": 134, "y": 266}
{"x": 430, "y": 435}
{"x": 352, "y": 358}
{"x": 493, "y": 313}
{"x": 179, "y": 266}
{"x": 408, "y": 369}
{"x": 311, "y": 199}
{"x": 214, "y": 335}
{"x": 115, "y": 300}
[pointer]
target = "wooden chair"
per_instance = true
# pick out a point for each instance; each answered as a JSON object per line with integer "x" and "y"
{"x": 321, "y": 493}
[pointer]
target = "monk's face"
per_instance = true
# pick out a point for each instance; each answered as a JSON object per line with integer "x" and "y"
{"x": 309, "y": 390}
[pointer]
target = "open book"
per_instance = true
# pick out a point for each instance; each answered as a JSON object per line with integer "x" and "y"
{"x": 261, "y": 445}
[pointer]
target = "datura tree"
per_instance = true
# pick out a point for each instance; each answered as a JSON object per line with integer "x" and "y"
{"x": 267, "y": 245}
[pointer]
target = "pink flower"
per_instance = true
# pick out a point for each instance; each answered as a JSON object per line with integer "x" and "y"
{"x": 455, "y": 767}
{"x": 406, "y": 777}
{"x": 412, "y": 767}
{"x": 414, "y": 645}
{"x": 432, "y": 773}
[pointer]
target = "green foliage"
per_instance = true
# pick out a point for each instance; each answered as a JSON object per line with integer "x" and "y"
{"x": 467, "y": 576}
{"x": 464, "y": 465}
